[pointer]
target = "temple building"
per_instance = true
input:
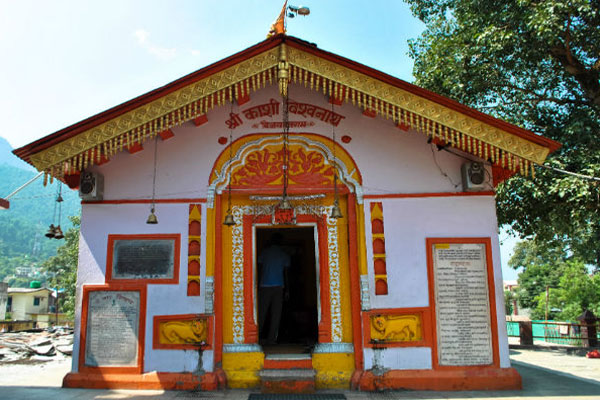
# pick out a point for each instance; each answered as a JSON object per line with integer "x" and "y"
{"x": 381, "y": 194}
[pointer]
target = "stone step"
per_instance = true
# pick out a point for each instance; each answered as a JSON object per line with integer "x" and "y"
{"x": 288, "y": 361}
{"x": 291, "y": 356}
{"x": 301, "y": 380}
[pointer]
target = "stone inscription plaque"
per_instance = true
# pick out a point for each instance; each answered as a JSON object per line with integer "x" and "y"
{"x": 143, "y": 259}
{"x": 112, "y": 329}
{"x": 462, "y": 304}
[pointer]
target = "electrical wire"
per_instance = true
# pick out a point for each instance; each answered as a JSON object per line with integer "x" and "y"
{"x": 54, "y": 212}
{"x": 59, "y": 201}
{"x": 440, "y": 168}
{"x": 154, "y": 173}
{"x": 230, "y": 162}
{"x": 548, "y": 167}
{"x": 575, "y": 174}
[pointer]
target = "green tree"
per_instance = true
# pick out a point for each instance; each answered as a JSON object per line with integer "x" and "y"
{"x": 541, "y": 267}
{"x": 535, "y": 63}
{"x": 508, "y": 302}
{"x": 576, "y": 292}
{"x": 571, "y": 288}
{"x": 62, "y": 268}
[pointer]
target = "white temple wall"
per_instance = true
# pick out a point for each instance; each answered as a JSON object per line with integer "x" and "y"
{"x": 101, "y": 220}
{"x": 398, "y": 358}
{"x": 407, "y": 224}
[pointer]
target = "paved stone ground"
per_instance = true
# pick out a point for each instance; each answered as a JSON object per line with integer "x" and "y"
{"x": 546, "y": 375}
{"x": 36, "y": 374}
{"x": 586, "y": 369}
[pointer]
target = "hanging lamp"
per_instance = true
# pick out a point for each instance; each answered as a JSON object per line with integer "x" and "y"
{"x": 229, "y": 220}
{"x": 152, "y": 219}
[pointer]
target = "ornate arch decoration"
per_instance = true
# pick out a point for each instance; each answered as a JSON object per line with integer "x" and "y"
{"x": 257, "y": 163}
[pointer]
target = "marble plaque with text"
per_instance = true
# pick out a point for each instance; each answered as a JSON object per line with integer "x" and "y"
{"x": 113, "y": 319}
{"x": 462, "y": 304}
{"x": 143, "y": 259}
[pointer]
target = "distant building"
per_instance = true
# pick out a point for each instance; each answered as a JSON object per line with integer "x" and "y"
{"x": 25, "y": 304}
{"x": 27, "y": 271}
{"x": 517, "y": 313}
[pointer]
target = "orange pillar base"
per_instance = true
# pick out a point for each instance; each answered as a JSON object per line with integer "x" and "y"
{"x": 147, "y": 381}
{"x": 455, "y": 379}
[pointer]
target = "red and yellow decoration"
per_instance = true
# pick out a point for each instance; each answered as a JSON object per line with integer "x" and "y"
{"x": 181, "y": 332}
{"x": 194, "y": 236}
{"x": 398, "y": 327}
{"x": 265, "y": 167}
{"x": 379, "y": 258}
{"x": 260, "y": 163}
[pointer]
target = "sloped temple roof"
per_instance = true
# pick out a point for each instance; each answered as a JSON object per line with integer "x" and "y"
{"x": 280, "y": 60}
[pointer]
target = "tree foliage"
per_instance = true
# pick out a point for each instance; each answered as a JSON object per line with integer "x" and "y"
{"x": 23, "y": 225}
{"x": 535, "y": 63}
{"x": 508, "y": 302}
{"x": 571, "y": 288}
{"x": 542, "y": 266}
{"x": 62, "y": 268}
{"x": 575, "y": 292}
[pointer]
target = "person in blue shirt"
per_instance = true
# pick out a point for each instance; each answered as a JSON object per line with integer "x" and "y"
{"x": 274, "y": 263}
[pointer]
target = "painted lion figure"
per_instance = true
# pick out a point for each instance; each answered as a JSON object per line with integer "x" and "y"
{"x": 402, "y": 328}
{"x": 184, "y": 332}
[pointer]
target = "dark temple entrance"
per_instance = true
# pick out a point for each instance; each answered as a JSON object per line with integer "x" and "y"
{"x": 298, "y": 328}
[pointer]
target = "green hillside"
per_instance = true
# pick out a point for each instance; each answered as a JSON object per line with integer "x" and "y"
{"x": 23, "y": 225}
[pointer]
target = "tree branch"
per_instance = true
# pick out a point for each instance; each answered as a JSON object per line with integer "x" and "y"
{"x": 588, "y": 79}
{"x": 541, "y": 97}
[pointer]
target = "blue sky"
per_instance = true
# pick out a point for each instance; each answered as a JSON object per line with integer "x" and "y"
{"x": 64, "y": 61}
{"x": 67, "y": 60}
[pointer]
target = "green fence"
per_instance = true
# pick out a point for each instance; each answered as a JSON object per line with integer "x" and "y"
{"x": 563, "y": 333}
{"x": 512, "y": 328}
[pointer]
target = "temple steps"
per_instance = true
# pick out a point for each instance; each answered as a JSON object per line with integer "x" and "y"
{"x": 287, "y": 373}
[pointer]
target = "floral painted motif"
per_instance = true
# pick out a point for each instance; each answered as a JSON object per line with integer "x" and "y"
{"x": 265, "y": 167}
{"x": 237, "y": 248}
{"x": 334, "y": 278}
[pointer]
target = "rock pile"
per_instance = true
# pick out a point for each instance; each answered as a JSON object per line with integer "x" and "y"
{"x": 36, "y": 346}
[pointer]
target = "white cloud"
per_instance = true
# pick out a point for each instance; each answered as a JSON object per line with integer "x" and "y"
{"x": 162, "y": 53}
{"x": 142, "y": 36}
{"x": 195, "y": 52}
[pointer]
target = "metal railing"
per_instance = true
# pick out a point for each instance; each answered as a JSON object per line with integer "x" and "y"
{"x": 563, "y": 333}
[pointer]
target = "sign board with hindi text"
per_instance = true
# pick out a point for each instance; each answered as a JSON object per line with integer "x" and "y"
{"x": 112, "y": 328}
{"x": 462, "y": 303}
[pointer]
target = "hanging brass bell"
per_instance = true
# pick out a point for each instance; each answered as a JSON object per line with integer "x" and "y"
{"x": 229, "y": 221}
{"x": 51, "y": 232}
{"x": 58, "y": 233}
{"x": 336, "y": 212}
{"x": 59, "y": 198}
{"x": 152, "y": 217}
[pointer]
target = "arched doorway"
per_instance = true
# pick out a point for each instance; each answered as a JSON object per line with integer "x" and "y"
{"x": 333, "y": 283}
